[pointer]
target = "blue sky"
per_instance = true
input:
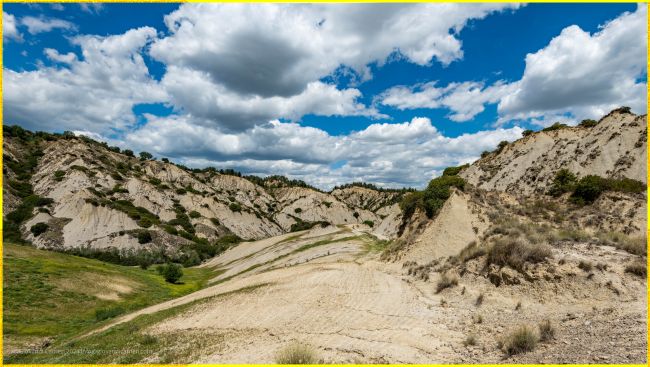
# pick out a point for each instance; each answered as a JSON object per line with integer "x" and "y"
{"x": 333, "y": 99}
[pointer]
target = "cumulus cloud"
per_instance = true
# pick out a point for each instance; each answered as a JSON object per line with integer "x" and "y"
{"x": 54, "y": 55}
{"x": 96, "y": 93}
{"x": 9, "y": 27}
{"x": 404, "y": 154}
{"x": 43, "y": 24}
{"x": 279, "y": 49}
{"x": 577, "y": 75}
{"x": 214, "y": 104}
{"x": 465, "y": 100}
{"x": 584, "y": 74}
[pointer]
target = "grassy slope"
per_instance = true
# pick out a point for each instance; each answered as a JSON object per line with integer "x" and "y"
{"x": 48, "y": 294}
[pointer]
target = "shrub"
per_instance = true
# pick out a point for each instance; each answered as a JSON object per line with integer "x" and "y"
{"x": 355, "y": 215}
{"x": 58, "y": 175}
{"x": 38, "y": 228}
{"x": 546, "y": 330}
{"x": 128, "y": 153}
{"x": 520, "y": 341}
{"x": 564, "y": 181}
{"x": 446, "y": 281}
{"x": 369, "y": 223}
{"x": 145, "y": 156}
{"x": 215, "y": 221}
{"x": 637, "y": 268}
{"x": 470, "y": 340}
{"x": 181, "y": 191}
{"x": 588, "y": 189}
{"x": 555, "y": 126}
{"x": 432, "y": 198}
{"x": 585, "y": 265}
{"x": 108, "y": 313}
{"x": 501, "y": 146}
{"x": 515, "y": 254}
{"x": 171, "y": 272}
{"x": 235, "y": 207}
{"x": 485, "y": 153}
{"x": 166, "y": 160}
{"x": 144, "y": 237}
{"x": 588, "y": 123}
{"x": 194, "y": 214}
{"x": 527, "y": 132}
{"x": 296, "y": 354}
{"x": 297, "y": 210}
{"x": 145, "y": 222}
{"x": 155, "y": 181}
{"x": 453, "y": 171}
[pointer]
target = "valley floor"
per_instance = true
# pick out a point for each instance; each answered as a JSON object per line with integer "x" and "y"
{"x": 327, "y": 289}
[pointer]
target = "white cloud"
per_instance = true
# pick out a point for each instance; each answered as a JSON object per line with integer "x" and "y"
{"x": 193, "y": 92}
{"x": 584, "y": 74}
{"x": 54, "y": 55}
{"x": 43, "y": 24}
{"x": 96, "y": 93}
{"x": 92, "y": 8}
{"x": 9, "y": 27}
{"x": 576, "y": 76}
{"x": 405, "y": 154}
{"x": 278, "y": 49}
{"x": 465, "y": 100}
{"x": 57, "y": 7}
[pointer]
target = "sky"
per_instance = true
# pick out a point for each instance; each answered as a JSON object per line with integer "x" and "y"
{"x": 389, "y": 94}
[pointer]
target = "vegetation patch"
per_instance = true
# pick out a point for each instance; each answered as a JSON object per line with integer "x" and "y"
{"x": 296, "y": 353}
{"x": 516, "y": 253}
{"x": 522, "y": 340}
{"x": 432, "y": 198}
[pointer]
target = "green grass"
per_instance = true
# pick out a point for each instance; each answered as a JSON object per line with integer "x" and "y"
{"x": 55, "y": 295}
{"x": 109, "y": 345}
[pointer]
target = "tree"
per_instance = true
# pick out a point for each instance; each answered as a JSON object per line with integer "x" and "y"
{"x": 144, "y": 237}
{"x": 128, "y": 152}
{"x": 171, "y": 272}
{"x": 527, "y": 132}
{"x": 145, "y": 155}
{"x": 38, "y": 228}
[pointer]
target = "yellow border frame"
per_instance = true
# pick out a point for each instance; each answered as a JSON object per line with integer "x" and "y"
{"x": 318, "y": 1}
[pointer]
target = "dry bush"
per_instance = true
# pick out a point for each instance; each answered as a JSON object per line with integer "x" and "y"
{"x": 637, "y": 268}
{"x": 470, "y": 340}
{"x": 515, "y": 253}
{"x": 446, "y": 281}
{"x": 546, "y": 331}
{"x": 585, "y": 265}
{"x": 522, "y": 340}
{"x": 296, "y": 353}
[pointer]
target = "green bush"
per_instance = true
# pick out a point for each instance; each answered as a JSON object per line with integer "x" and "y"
{"x": 564, "y": 181}
{"x": 171, "y": 272}
{"x": 145, "y": 156}
{"x": 38, "y": 228}
{"x": 194, "y": 214}
{"x": 369, "y": 223}
{"x": 144, "y": 237}
{"x": 128, "y": 152}
{"x": 527, "y": 132}
{"x": 453, "y": 171}
{"x": 215, "y": 221}
{"x": 588, "y": 123}
{"x": 181, "y": 191}
{"x": 297, "y": 210}
{"x": 155, "y": 181}
{"x": 235, "y": 207}
{"x": 588, "y": 189}
{"x": 145, "y": 223}
{"x": 432, "y": 198}
{"x": 501, "y": 146}
{"x": 555, "y": 126}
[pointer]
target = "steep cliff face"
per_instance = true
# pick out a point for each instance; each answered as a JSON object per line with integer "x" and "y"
{"x": 615, "y": 147}
{"x": 101, "y": 198}
{"x": 512, "y": 183}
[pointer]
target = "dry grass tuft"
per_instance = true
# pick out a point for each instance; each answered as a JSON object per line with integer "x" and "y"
{"x": 637, "y": 268}
{"x": 546, "y": 331}
{"x": 446, "y": 281}
{"x": 522, "y": 340}
{"x": 296, "y": 353}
